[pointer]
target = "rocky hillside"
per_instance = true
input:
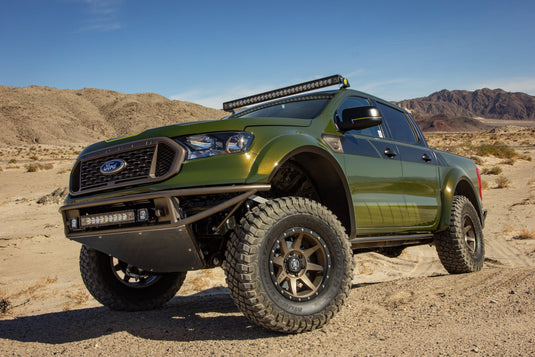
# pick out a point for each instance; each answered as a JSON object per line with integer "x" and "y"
{"x": 51, "y": 116}
{"x": 444, "y": 123}
{"x": 485, "y": 103}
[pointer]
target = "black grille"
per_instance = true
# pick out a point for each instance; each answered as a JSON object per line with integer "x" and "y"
{"x": 166, "y": 156}
{"x": 138, "y": 164}
{"x": 140, "y": 167}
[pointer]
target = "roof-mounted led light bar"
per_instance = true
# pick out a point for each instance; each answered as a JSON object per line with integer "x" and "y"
{"x": 286, "y": 91}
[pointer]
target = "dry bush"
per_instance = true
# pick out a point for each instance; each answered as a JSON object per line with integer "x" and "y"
{"x": 502, "y": 182}
{"x": 506, "y": 228}
{"x": 477, "y": 160}
{"x": 531, "y": 182}
{"x": 526, "y": 234}
{"x": 34, "y": 157}
{"x": 12, "y": 161}
{"x": 496, "y": 170}
{"x": 5, "y": 306}
{"x": 75, "y": 299}
{"x": 31, "y": 290}
{"x": 508, "y": 162}
{"x": 497, "y": 149}
{"x": 525, "y": 157}
{"x": 484, "y": 185}
{"x": 34, "y": 167}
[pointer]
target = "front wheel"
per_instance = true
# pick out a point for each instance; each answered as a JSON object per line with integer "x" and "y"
{"x": 121, "y": 286}
{"x": 460, "y": 247}
{"x": 289, "y": 265}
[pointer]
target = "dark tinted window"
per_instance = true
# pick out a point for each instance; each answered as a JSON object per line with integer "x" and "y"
{"x": 397, "y": 123}
{"x": 355, "y": 102}
{"x": 303, "y": 109}
{"x": 352, "y": 102}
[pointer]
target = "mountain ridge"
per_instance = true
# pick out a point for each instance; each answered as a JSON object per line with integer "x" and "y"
{"x": 486, "y": 103}
{"x": 46, "y": 115}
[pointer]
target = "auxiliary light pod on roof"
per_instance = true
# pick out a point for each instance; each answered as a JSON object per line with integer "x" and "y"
{"x": 286, "y": 91}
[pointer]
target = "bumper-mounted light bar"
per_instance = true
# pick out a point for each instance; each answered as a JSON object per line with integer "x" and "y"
{"x": 286, "y": 91}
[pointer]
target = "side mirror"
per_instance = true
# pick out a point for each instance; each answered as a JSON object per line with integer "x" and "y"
{"x": 359, "y": 118}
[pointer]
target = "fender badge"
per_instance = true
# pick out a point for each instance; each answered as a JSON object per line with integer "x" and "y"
{"x": 112, "y": 167}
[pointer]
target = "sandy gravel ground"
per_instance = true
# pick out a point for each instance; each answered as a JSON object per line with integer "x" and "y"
{"x": 398, "y": 306}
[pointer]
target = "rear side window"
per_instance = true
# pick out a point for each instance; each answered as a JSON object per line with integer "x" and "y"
{"x": 396, "y": 121}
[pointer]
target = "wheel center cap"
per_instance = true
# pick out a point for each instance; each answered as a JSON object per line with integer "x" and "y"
{"x": 294, "y": 264}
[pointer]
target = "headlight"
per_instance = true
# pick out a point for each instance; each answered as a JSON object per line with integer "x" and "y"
{"x": 213, "y": 144}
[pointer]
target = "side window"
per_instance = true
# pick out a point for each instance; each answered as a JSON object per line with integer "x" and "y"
{"x": 398, "y": 124}
{"x": 354, "y": 102}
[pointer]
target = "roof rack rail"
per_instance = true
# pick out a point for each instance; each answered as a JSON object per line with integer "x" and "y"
{"x": 286, "y": 91}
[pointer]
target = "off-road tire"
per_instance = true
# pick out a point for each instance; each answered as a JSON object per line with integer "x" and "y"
{"x": 105, "y": 286}
{"x": 254, "y": 257}
{"x": 461, "y": 248}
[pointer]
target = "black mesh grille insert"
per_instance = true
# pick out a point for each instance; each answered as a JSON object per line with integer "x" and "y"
{"x": 166, "y": 156}
{"x": 145, "y": 161}
{"x": 138, "y": 164}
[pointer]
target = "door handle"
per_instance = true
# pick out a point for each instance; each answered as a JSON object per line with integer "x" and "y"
{"x": 390, "y": 153}
{"x": 426, "y": 158}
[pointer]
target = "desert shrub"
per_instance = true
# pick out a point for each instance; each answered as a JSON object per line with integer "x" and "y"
{"x": 496, "y": 170}
{"x": 32, "y": 167}
{"x": 5, "y": 306}
{"x": 507, "y": 228}
{"x": 508, "y": 162}
{"x": 12, "y": 161}
{"x": 526, "y": 234}
{"x": 477, "y": 160}
{"x": 484, "y": 185}
{"x": 34, "y": 157}
{"x": 503, "y": 182}
{"x": 497, "y": 149}
{"x": 525, "y": 157}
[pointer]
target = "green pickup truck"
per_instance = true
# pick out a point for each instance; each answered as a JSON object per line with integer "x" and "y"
{"x": 280, "y": 193}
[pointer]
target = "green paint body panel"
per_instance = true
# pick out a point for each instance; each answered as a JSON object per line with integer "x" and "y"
{"x": 388, "y": 196}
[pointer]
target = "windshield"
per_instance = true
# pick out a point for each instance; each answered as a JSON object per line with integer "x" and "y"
{"x": 299, "y": 108}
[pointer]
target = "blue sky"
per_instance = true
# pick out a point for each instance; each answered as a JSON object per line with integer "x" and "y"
{"x": 210, "y": 51}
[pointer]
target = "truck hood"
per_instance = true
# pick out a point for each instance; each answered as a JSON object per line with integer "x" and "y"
{"x": 199, "y": 127}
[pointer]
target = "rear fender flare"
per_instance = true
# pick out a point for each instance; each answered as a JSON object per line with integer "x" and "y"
{"x": 454, "y": 179}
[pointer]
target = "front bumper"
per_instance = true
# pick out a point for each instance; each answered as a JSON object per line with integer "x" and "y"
{"x": 166, "y": 243}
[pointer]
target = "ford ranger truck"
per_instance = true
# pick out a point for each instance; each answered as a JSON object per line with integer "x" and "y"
{"x": 281, "y": 193}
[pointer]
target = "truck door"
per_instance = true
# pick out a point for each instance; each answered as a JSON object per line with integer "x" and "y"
{"x": 373, "y": 169}
{"x": 419, "y": 168}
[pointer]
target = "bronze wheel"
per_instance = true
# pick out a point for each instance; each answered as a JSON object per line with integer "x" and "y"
{"x": 299, "y": 263}
{"x": 289, "y": 265}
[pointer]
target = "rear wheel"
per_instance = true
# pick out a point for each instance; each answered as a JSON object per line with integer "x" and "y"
{"x": 289, "y": 266}
{"x": 461, "y": 247}
{"x": 121, "y": 286}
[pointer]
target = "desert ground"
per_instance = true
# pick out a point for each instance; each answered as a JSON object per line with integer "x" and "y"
{"x": 407, "y": 305}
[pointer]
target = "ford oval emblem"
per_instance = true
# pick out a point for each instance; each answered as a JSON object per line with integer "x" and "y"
{"x": 112, "y": 167}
